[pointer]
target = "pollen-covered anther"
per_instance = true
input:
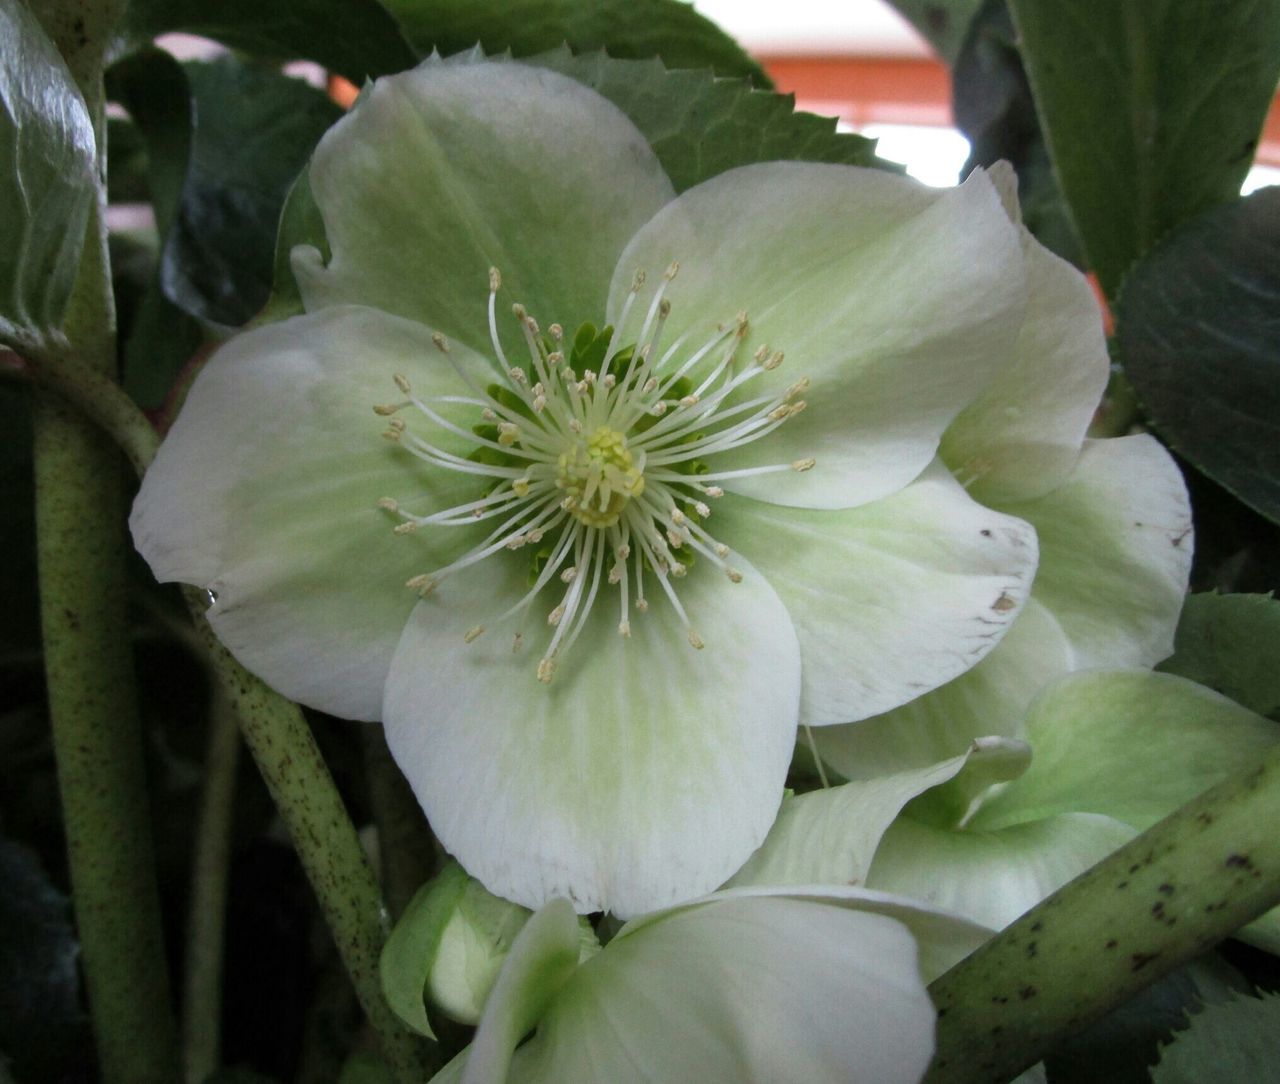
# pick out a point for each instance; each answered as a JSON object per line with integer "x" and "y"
{"x": 472, "y": 634}
{"x": 556, "y": 332}
{"x": 392, "y": 435}
{"x": 519, "y": 375}
{"x": 508, "y": 433}
{"x": 803, "y": 465}
{"x": 520, "y": 487}
{"x": 553, "y": 618}
{"x": 402, "y": 382}
{"x": 678, "y": 517}
{"x": 702, "y": 509}
{"x": 624, "y": 629}
{"x": 546, "y": 670}
{"x": 387, "y": 409}
{"x": 773, "y": 361}
{"x": 721, "y": 550}
{"x": 695, "y": 640}
{"x": 678, "y": 571}
{"x": 417, "y": 583}
{"x": 568, "y": 574}
{"x": 407, "y": 527}
{"x": 442, "y": 344}
{"x": 690, "y": 401}
{"x": 388, "y": 504}
{"x": 734, "y": 575}
{"x": 615, "y": 574}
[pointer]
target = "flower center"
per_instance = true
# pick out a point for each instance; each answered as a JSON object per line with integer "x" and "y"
{"x": 598, "y": 476}
{"x": 598, "y": 459}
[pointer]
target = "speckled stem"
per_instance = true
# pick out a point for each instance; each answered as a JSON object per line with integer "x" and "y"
{"x": 89, "y": 666}
{"x": 309, "y": 803}
{"x": 1175, "y": 891}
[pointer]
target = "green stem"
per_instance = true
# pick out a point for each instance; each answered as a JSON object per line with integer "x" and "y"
{"x": 325, "y": 839}
{"x": 1161, "y": 900}
{"x": 282, "y": 747}
{"x": 206, "y": 915}
{"x": 93, "y": 714}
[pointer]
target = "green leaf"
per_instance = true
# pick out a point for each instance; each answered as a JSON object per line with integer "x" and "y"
{"x": 47, "y": 179}
{"x": 1152, "y": 110}
{"x": 356, "y": 38}
{"x": 629, "y": 29}
{"x": 1196, "y": 328}
{"x": 411, "y": 948}
{"x": 1238, "y": 1040}
{"x": 1230, "y": 643}
{"x": 994, "y": 109}
{"x": 254, "y": 130}
{"x": 943, "y": 23}
{"x": 700, "y": 126}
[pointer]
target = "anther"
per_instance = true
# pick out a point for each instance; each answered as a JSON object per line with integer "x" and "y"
{"x": 642, "y": 604}
{"x": 637, "y": 280}
{"x": 624, "y": 629}
{"x": 386, "y": 409}
{"x": 695, "y": 640}
{"x": 774, "y": 360}
{"x": 546, "y": 670}
{"x": 556, "y": 332}
{"x": 402, "y": 382}
{"x": 678, "y": 571}
{"x": 508, "y": 433}
{"x": 553, "y": 618}
{"x": 519, "y": 375}
{"x": 489, "y": 414}
{"x": 520, "y": 487}
{"x": 519, "y": 312}
{"x": 568, "y": 574}
{"x": 397, "y": 424}
{"x": 391, "y": 434}
{"x": 623, "y": 551}
{"x": 701, "y": 509}
{"x": 672, "y": 270}
{"x": 803, "y": 465}
{"x": 714, "y": 491}
{"x": 495, "y": 280}
{"x": 721, "y": 550}
{"x": 517, "y": 642}
{"x": 678, "y": 517}
{"x": 407, "y": 527}
{"x": 418, "y": 582}
{"x": 689, "y": 401}
{"x": 388, "y": 504}
{"x": 734, "y": 575}
{"x": 473, "y": 633}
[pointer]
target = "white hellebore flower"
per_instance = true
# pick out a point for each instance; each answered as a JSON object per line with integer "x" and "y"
{"x": 755, "y": 985}
{"x": 591, "y": 584}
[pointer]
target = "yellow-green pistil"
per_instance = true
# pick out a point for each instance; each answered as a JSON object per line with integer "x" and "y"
{"x": 605, "y": 472}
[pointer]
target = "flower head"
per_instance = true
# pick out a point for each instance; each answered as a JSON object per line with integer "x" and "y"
{"x": 659, "y": 482}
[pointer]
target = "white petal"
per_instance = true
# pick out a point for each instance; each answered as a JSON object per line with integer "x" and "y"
{"x": 265, "y": 492}
{"x": 1115, "y": 551}
{"x": 543, "y": 957}
{"x": 742, "y": 989}
{"x": 898, "y": 301}
{"x": 645, "y": 772}
{"x": 445, "y": 170}
{"x": 1021, "y": 438}
{"x": 992, "y": 877}
{"x": 889, "y": 599}
{"x": 992, "y": 698}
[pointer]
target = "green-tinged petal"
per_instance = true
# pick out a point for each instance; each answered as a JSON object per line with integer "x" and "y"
{"x": 645, "y": 772}
{"x": 898, "y": 302}
{"x": 991, "y": 698}
{"x": 1127, "y": 744}
{"x": 742, "y": 989}
{"x": 265, "y": 492}
{"x": 889, "y": 599}
{"x": 1115, "y": 551}
{"x": 829, "y": 836}
{"x": 542, "y": 959}
{"x": 992, "y": 877}
{"x": 446, "y": 170}
{"x": 1021, "y": 437}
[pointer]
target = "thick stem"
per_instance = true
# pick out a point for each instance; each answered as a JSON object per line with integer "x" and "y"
{"x": 303, "y": 791}
{"x": 206, "y": 914}
{"x": 1175, "y": 891}
{"x": 92, "y": 704}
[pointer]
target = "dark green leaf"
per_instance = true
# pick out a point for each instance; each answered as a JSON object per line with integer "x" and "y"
{"x": 994, "y": 109}
{"x": 42, "y": 1028}
{"x": 1238, "y": 1040}
{"x": 1230, "y": 643}
{"x": 47, "y": 179}
{"x": 943, "y": 23}
{"x": 1151, "y": 108}
{"x": 1198, "y": 327}
{"x": 152, "y": 86}
{"x": 20, "y": 627}
{"x": 356, "y": 38}
{"x": 700, "y": 126}
{"x": 127, "y": 168}
{"x": 254, "y": 130}
{"x": 630, "y": 29}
